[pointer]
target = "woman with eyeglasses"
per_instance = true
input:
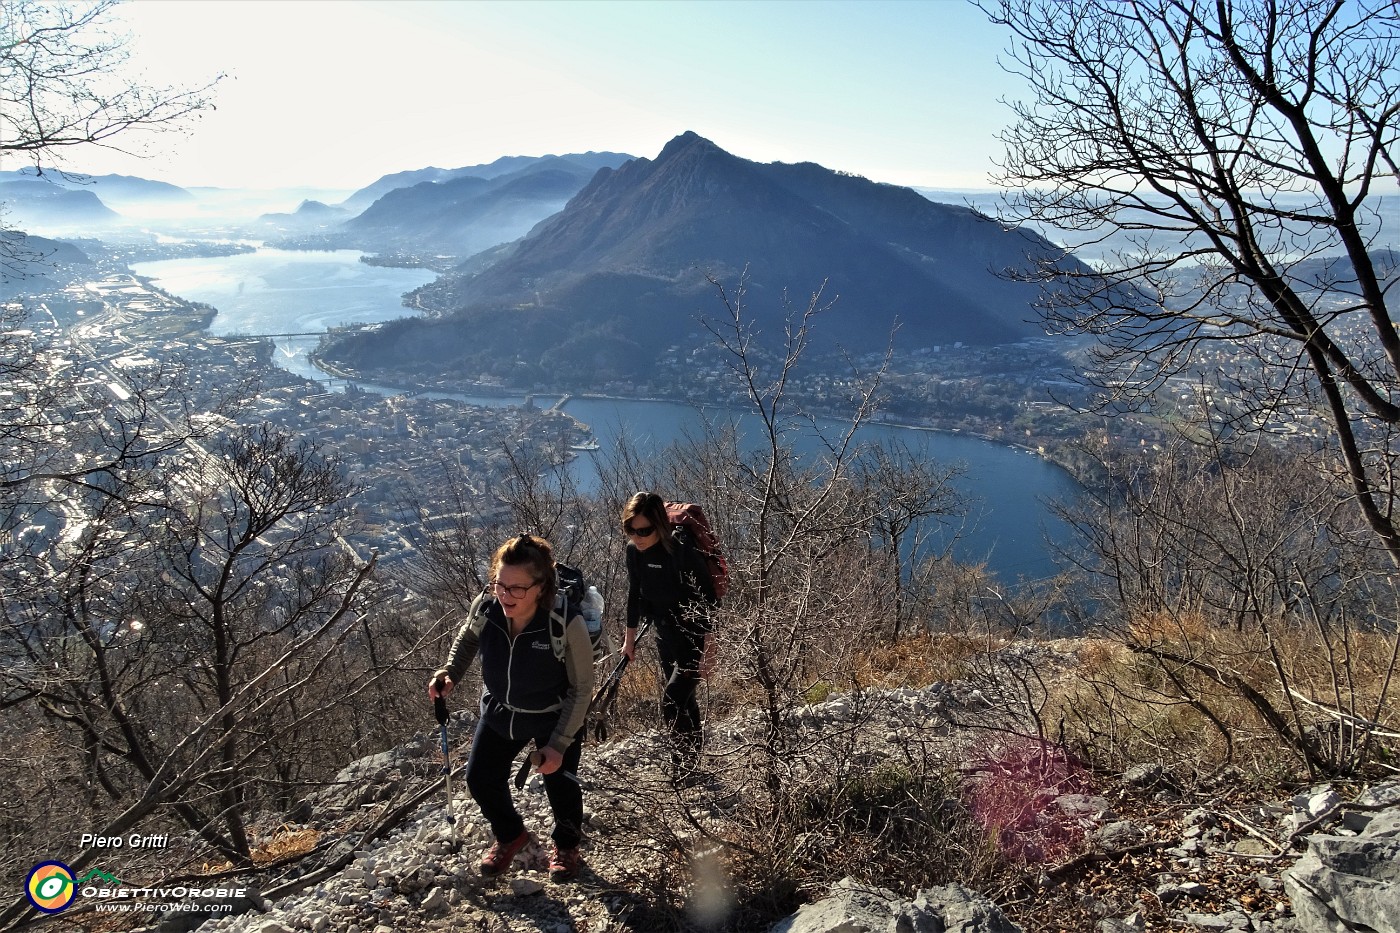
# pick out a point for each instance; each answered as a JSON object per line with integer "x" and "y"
{"x": 669, "y": 583}
{"x": 528, "y": 695}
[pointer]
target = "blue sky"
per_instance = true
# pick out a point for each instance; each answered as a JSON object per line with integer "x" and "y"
{"x": 336, "y": 93}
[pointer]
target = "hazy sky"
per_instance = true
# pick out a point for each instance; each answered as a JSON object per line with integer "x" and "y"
{"x": 336, "y": 93}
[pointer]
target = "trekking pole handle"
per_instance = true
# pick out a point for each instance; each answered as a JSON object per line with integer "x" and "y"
{"x": 440, "y": 709}
{"x": 532, "y": 759}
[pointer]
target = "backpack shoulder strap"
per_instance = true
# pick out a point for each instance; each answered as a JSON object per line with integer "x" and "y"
{"x": 476, "y": 615}
{"x": 687, "y": 544}
{"x": 558, "y": 626}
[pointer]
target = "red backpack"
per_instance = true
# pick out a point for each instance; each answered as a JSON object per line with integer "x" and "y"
{"x": 691, "y": 518}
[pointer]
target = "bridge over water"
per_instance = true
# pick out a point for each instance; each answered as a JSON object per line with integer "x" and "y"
{"x": 328, "y": 332}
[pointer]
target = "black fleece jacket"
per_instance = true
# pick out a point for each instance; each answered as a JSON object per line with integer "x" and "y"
{"x": 669, "y": 586}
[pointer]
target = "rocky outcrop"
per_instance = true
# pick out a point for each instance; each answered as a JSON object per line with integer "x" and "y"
{"x": 852, "y": 907}
{"x": 1349, "y": 881}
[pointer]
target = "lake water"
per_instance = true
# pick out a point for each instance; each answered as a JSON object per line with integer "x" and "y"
{"x": 276, "y": 291}
{"x": 279, "y": 291}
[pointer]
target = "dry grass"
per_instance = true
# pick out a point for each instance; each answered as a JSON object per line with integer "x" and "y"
{"x": 1097, "y": 655}
{"x": 1176, "y": 689}
{"x": 286, "y": 842}
{"x": 917, "y": 661}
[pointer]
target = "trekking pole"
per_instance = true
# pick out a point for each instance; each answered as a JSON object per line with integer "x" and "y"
{"x": 603, "y": 699}
{"x": 606, "y": 694}
{"x": 440, "y": 710}
{"x": 533, "y": 760}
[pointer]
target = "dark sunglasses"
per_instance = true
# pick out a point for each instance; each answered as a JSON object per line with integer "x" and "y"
{"x": 638, "y": 532}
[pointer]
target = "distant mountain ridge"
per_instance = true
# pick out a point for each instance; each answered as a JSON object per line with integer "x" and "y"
{"x": 443, "y": 212}
{"x": 363, "y": 198}
{"x": 33, "y": 201}
{"x": 465, "y": 213}
{"x": 310, "y": 216}
{"x": 620, "y": 272}
{"x": 113, "y": 190}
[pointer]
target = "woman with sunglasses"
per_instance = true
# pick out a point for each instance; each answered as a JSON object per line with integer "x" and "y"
{"x": 669, "y": 583}
{"x": 528, "y": 694}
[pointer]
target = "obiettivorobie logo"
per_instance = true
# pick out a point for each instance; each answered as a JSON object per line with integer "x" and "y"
{"x": 52, "y": 888}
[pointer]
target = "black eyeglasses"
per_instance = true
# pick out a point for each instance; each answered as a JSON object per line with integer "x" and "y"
{"x": 639, "y": 532}
{"x": 514, "y": 592}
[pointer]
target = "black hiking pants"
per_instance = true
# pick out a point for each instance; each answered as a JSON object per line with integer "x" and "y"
{"x": 679, "y": 649}
{"x": 489, "y": 775}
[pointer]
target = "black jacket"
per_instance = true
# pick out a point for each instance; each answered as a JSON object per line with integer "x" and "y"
{"x": 669, "y": 587}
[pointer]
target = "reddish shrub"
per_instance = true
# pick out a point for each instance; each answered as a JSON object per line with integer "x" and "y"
{"x": 1011, "y": 794}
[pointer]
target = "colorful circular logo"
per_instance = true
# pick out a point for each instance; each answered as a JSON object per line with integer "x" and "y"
{"x": 50, "y": 887}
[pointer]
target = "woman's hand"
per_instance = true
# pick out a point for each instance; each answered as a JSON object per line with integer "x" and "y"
{"x": 439, "y": 685}
{"x": 547, "y": 760}
{"x": 629, "y": 644}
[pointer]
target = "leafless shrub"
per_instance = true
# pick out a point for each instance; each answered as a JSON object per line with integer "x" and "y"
{"x": 188, "y": 645}
{"x": 1011, "y": 795}
{"x": 1237, "y": 602}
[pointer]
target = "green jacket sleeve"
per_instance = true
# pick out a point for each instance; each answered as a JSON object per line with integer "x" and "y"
{"x": 464, "y": 646}
{"x": 578, "y": 659}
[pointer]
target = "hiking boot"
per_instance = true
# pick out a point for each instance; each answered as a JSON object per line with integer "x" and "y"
{"x": 682, "y": 766}
{"x": 564, "y": 864}
{"x": 501, "y": 854}
{"x": 686, "y": 770}
{"x": 689, "y": 778}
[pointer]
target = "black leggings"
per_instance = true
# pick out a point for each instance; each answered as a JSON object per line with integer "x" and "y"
{"x": 488, "y": 779}
{"x": 680, "y": 650}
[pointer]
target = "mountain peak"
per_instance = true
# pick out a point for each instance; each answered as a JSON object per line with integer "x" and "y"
{"x": 627, "y": 265}
{"x": 686, "y": 142}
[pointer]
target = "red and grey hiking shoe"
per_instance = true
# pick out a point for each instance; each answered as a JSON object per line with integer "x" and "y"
{"x": 501, "y": 854}
{"x": 564, "y": 864}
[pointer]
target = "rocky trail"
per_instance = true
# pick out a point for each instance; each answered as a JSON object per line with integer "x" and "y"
{"x": 1153, "y": 857}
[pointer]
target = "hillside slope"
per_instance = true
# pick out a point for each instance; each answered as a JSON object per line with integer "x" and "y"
{"x": 1146, "y": 855}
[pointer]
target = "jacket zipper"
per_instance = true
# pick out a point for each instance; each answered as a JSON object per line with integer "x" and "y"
{"x": 510, "y": 676}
